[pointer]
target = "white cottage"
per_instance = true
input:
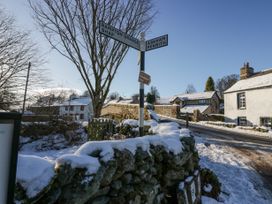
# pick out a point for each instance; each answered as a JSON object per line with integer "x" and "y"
{"x": 79, "y": 108}
{"x": 249, "y": 100}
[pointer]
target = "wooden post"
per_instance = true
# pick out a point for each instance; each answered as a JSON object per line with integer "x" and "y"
{"x": 27, "y": 77}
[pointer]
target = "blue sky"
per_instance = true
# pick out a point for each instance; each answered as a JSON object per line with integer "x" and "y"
{"x": 206, "y": 38}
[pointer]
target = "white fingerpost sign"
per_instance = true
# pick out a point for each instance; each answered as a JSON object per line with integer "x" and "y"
{"x": 9, "y": 136}
{"x": 142, "y": 45}
{"x": 118, "y": 35}
{"x": 157, "y": 42}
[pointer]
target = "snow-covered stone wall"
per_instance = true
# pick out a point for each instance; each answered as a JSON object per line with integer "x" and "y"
{"x": 140, "y": 170}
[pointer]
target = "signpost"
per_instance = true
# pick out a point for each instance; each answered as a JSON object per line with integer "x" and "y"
{"x": 142, "y": 46}
{"x": 9, "y": 139}
{"x": 144, "y": 78}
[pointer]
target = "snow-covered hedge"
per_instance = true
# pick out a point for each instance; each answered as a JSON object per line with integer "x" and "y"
{"x": 139, "y": 170}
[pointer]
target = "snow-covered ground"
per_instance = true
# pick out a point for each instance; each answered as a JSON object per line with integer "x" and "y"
{"x": 240, "y": 182}
{"x": 240, "y": 129}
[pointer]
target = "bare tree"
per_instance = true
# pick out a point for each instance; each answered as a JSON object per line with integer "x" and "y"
{"x": 71, "y": 27}
{"x": 190, "y": 89}
{"x": 225, "y": 82}
{"x": 51, "y": 96}
{"x": 16, "y": 51}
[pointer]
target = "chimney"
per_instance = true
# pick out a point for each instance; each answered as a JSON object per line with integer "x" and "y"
{"x": 246, "y": 71}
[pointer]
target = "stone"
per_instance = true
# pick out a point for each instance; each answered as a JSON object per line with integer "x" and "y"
{"x": 101, "y": 200}
{"x": 126, "y": 178}
{"x": 116, "y": 185}
{"x": 110, "y": 170}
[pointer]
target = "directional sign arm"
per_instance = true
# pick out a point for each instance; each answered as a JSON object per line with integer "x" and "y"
{"x": 118, "y": 35}
{"x": 158, "y": 42}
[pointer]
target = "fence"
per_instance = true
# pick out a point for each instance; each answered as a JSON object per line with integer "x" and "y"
{"x": 101, "y": 128}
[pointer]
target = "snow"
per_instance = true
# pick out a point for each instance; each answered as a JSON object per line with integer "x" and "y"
{"x": 251, "y": 83}
{"x": 167, "y": 128}
{"x": 168, "y": 135}
{"x": 154, "y": 115}
{"x": 194, "y": 96}
{"x": 122, "y": 101}
{"x": 34, "y": 173}
{"x": 170, "y": 142}
{"x": 240, "y": 182}
{"x": 163, "y": 100}
{"x": 208, "y": 188}
{"x": 181, "y": 186}
{"x": 208, "y": 200}
{"x": 130, "y": 122}
{"x": 238, "y": 129}
{"x": 79, "y": 161}
{"x": 191, "y": 108}
{"x": 82, "y": 101}
{"x": 135, "y": 123}
{"x": 189, "y": 179}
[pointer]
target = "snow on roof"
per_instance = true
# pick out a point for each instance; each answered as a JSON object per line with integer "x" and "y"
{"x": 194, "y": 96}
{"x": 77, "y": 102}
{"x": 122, "y": 101}
{"x": 34, "y": 173}
{"x": 251, "y": 83}
{"x": 163, "y": 100}
{"x": 191, "y": 108}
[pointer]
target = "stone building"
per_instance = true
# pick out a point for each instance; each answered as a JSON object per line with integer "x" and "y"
{"x": 206, "y": 102}
{"x": 249, "y": 100}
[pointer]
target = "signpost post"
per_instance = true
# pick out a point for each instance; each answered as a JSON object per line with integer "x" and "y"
{"x": 142, "y": 46}
{"x": 9, "y": 139}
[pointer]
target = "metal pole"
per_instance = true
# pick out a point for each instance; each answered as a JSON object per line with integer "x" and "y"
{"x": 27, "y": 77}
{"x": 141, "y": 102}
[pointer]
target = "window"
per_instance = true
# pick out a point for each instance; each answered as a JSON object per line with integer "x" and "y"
{"x": 82, "y": 108}
{"x": 241, "y": 99}
{"x": 242, "y": 121}
{"x": 66, "y": 108}
{"x": 266, "y": 121}
{"x": 71, "y": 108}
{"x": 81, "y": 116}
{"x": 202, "y": 101}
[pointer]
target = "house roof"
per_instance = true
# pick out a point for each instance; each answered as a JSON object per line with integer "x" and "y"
{"x": 163, "y": 100}
{"x": 194, "y": 96}
{"x": 191, "y": 108}
{"x": 255, "y": 82}
{"x": 82, "y": 101}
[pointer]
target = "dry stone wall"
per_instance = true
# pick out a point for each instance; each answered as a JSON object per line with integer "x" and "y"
{"x": 145, "y": 176}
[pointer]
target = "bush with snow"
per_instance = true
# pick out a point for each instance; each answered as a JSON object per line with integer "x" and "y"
{"x": 210, "y": 184}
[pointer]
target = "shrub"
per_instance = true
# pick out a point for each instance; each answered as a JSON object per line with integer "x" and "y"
{"x": 210, "y": 185}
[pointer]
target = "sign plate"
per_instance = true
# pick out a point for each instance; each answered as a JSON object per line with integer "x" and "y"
{"x": 144, "y": 78}
{"x": 6, "y": 135}
{"x": 118, "y": 35}
{"x": 157, "y": 42}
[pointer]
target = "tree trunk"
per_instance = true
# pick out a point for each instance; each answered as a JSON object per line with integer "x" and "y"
{"x": 97, "y": 107}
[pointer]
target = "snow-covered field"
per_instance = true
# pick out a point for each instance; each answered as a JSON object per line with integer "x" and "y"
{"x": 240, "y": 182}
